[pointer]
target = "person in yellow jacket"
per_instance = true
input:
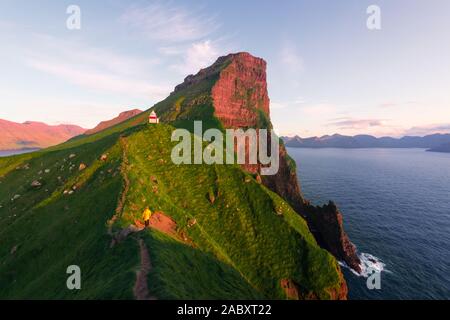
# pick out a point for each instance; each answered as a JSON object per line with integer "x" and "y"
{"x": 146, "y": 215}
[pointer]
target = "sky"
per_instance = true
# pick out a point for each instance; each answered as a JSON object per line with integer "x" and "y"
{"x": 327, "y": 71}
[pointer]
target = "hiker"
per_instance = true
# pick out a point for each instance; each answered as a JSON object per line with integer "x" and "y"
{"x": 146, "y": 216}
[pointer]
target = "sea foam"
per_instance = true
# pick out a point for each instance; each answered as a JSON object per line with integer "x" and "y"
{"x": 369, "y": 264}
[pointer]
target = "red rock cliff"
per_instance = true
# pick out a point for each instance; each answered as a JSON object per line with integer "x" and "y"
{"x": 241, "y": 101}
{"x": 327, "y": 226}
{"x": 241, "y": 88}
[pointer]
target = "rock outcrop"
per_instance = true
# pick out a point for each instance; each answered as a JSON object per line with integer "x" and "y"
{"x": 285, "y": 182}
{"x": 241, "y": 92}
{"x": 326, "y": 224}
{"x": 293, "y": 291}
{"x": 240, "y": 100}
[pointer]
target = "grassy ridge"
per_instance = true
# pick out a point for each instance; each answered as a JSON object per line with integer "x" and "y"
{"x": 245, "y": 240}
{"x": 245, "y": 226}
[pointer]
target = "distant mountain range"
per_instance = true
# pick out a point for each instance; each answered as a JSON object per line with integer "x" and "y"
{"x": 30, "y": 135}
{"x": 434, "y": 142}
{"x": 38, "y": 135}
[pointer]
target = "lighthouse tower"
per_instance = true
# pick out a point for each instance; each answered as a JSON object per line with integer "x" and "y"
{"x": 153, "y": 118}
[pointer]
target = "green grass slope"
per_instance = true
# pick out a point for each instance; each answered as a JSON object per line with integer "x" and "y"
{"x": 50, "y": 231}
{"x": 242, "y": 245}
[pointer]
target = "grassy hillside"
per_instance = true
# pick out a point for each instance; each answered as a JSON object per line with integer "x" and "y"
{"x": 69, "y": 229}
{"x": 245, "y": 238}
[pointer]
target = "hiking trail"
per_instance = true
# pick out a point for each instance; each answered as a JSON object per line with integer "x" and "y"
{"x": 126, "y": 185}
{"x": 140, "y": 290}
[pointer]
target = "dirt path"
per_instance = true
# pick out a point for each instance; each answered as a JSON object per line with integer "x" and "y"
{"x": 163, "y": 223}
{"x": 140, "y": 290}
{"x": 126, "y": 185}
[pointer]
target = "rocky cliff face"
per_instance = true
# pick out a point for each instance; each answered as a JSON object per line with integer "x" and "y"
{"x": 327, "y": 226}
{"x": 293, "y": 291}
{"x": 241, "y": 92}
{"x": 240, "y": 100}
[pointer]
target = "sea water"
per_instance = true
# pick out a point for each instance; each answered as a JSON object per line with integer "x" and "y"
{"x": 396, "y": 208}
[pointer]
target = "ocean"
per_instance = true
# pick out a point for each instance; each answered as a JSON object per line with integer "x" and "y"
{"x": 5, "y": 153}
{"x": 396, "y": 208}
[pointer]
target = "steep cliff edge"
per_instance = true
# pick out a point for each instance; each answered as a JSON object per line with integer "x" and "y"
{"x": 240, "y": 95}
{"x": 326, "y": 224}
{"x": 239, "y": 98}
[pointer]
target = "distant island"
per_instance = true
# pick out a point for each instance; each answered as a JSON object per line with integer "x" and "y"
{"x": 442, "y": 148}
{"x": 434, "y": 142}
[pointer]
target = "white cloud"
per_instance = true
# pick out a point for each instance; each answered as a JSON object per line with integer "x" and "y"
{"x": 277, "y": 105}
{"x": 297, "y": 102}
{"x": 291, "y": 59}
{"x": 95, "y": 68}
{"x": 165, "y": 22}
{"x": 350, "y": 123}
{"x": 58, "y": 109}
{"x": 197, "y": 56}
{"x": 182, "y": 35}
{"x": 428, "y": 129}
{"x": 320, "y": 110}
{"x": 78, "y": 52}
{"x": 170, "y": 50}
{"x": 5, "y": 24}
{"x": 391, "y": 104}
{"x": 92, "y": 79}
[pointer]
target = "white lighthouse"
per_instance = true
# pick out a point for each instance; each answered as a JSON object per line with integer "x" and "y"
{"x": 153, "y": 118}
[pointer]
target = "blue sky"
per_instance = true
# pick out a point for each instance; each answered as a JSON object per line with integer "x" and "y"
{"x": 327, "y": 72}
